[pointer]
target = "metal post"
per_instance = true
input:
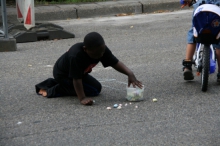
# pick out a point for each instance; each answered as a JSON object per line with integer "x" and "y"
{"x": 7, "y": 43}
{"x": 4, "y": 18}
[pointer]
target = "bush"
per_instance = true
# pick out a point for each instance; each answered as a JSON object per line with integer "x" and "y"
{"x": 67, "y": 1}
{"x": 12, "y": 2}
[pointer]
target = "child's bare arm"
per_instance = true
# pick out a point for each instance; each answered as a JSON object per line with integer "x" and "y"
{"x": 80, "y": 92}
{"x": 120, "y": 67}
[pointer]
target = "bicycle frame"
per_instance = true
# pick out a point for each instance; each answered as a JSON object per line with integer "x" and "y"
{"x": 198, "y": 58}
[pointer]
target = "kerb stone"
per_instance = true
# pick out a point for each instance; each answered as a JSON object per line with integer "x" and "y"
{"x": 159, "y": 5}
{"x": 108, "y": 9}
{"x": 58, "y": 12}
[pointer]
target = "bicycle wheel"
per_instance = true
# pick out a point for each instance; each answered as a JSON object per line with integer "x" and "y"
{"x": 205, "y": 67}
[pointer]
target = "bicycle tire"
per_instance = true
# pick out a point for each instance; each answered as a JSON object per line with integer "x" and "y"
{"x": 205, "y": 67}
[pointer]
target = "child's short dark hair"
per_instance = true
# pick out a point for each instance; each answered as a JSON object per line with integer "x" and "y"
{"x": 93, "y": 39}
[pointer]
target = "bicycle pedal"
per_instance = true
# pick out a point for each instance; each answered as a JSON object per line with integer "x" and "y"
{"x": 198, "y": 73}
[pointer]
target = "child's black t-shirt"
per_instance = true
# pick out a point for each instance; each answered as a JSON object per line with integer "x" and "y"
{"x": 75, "y": 63}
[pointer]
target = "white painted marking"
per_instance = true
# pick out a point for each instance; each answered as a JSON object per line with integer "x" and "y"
{"x": 110, "y": 87}
{"x": 49, "y": 65}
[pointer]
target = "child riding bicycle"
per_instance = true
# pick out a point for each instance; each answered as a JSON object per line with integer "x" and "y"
{"x": 191, "y": 46}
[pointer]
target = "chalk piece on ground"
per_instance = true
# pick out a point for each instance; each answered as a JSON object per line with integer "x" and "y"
{"x": 115, "y": 105}
{"x": 119, "y": 107}
{"x": 154, "y": 100}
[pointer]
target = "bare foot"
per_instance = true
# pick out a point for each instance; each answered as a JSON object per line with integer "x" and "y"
{"x": 40, "y": 92}
{"x": 43, "y": 92}
{"x": 87, "y": 101}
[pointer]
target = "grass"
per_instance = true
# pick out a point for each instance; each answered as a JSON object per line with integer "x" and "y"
{"x": 46, "y": 2}
{"x": 64, "y": 1}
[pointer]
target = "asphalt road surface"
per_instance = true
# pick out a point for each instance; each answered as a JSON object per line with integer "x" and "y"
{"x": 153, "y": 46}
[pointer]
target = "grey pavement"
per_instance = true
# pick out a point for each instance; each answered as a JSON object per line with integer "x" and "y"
{"x": 153, "y": 47}
{"x": 97, "y": 9}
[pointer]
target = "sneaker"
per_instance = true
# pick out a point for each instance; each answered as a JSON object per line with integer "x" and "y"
{"x": 188, "y": 75}
{"x": 218, "y": 77}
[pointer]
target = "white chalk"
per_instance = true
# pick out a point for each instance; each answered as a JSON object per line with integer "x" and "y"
{"x": 108, "y": 108}
{"x": 154, "y": 100}
{"x": 119, "y": 107}
{"x": 19, "y": 123}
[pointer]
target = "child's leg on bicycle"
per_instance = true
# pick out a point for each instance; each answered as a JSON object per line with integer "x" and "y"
{"x": 187, "y": 62}
{"x": 218, "y": 58}
{"x": 218, "y": 62}
{"x": 190, "y": 49}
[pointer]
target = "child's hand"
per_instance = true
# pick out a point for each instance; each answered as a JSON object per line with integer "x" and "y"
{"x": 132, "y": 80}
{"x": 125, "y": 70}
{"x": 86, "y": 101}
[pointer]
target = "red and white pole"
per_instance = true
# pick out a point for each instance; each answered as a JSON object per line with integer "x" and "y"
{"x": 19, "y": 6}
{"x": 25, "y": 13}
{"x": 29, "y": 16}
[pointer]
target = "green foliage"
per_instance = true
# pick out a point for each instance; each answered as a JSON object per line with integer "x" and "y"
{"x": 64, "y": 1}
{"x": 12, "y": 2}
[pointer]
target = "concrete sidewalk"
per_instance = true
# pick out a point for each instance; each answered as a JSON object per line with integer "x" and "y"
{"x": 98, "y": 9}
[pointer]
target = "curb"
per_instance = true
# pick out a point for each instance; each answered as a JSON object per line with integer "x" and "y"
{"x": 98, "y": 9}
